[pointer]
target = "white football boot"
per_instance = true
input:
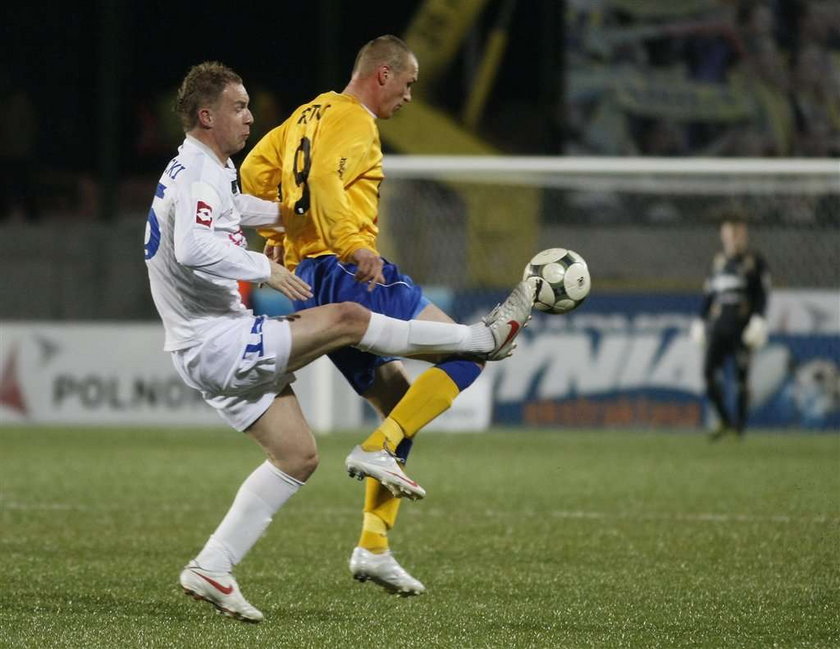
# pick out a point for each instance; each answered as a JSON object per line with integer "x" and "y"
{"x": 384, "y": 570}
{"x": 219, "y": 589}
{"x": 383, "y": 466}
{"x": 508, "y": 319}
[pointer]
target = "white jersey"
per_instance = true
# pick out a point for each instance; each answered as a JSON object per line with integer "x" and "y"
{"x": 195, "y": 249}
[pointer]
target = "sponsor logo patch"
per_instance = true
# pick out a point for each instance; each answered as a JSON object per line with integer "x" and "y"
{"x": 203, "y": 214}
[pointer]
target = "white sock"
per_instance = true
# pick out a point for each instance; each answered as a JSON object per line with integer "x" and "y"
{"x": 258, "y": 499}
{"x": 391, "y": 337}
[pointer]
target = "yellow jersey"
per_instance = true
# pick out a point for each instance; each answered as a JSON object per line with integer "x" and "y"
{"x": 324, "y": 165}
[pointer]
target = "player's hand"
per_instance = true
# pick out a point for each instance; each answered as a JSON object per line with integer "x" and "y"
{"x": 697, "y": 332}
{"x": 368, "y": 267}
{"x": 289, "y": 284}
{"x": 273, "y": 252}
{"x": 755, "y": 333}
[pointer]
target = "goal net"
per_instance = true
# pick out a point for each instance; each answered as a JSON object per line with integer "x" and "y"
{"x": 642, "y": 223}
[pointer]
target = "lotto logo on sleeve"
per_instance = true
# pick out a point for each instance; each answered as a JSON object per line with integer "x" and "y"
{"x": 203, "y": 214}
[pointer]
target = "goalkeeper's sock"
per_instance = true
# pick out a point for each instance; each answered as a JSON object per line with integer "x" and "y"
{"x": 387, "y": 336}
{"x": 742, "y": 404}
{"x": 263, "y": 493}
{"x": 715, "y": 393}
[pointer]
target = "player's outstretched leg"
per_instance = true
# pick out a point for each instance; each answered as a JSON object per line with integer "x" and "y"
{"x": 219, "y": 589}
{"x": 504, "y": 323}
{"x": 382, "y": 465}
{"x": 508, "y": 319}
{"x": 382, "y": 569}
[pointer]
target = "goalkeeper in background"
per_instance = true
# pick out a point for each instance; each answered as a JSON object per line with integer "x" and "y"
{"x": 324, "y": 164}
{"x": 732, "y": 322}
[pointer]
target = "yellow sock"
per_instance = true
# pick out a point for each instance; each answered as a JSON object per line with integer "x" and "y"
{"x": 431, "y": 394}
{"x": 379, "y": 517}
{"x": 374, "y": 536}
{"x": 389, "y": 434}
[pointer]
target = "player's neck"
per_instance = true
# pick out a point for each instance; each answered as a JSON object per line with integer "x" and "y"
{"x": 207, "y": 140}
{"x": 358, "y": 91}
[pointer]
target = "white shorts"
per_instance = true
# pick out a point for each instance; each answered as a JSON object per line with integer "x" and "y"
{"x": 240, "y": 367}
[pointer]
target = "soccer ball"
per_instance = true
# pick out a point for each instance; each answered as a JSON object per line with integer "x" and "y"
{"x": 561, "y": 277}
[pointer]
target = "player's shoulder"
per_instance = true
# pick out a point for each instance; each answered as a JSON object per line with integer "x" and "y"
{"x": 336, "y": 106}
{"x": 200, "y": 166}
{"x": 334, "y": 112}
{"x": 755, "y": 260}
{"x": 183, "y": 168}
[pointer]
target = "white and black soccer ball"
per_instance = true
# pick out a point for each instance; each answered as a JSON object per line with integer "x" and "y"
{"x": 561, "y": 277}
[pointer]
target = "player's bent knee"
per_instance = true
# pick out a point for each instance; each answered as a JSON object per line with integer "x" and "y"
{"x": 351, "y": 318}
{"x": 307, "y": 464}
{"x": 300, "y": 465}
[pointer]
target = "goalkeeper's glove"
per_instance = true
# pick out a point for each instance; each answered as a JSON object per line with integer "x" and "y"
{"x": 755, "y": 333}
{"x": 697, "y": 332}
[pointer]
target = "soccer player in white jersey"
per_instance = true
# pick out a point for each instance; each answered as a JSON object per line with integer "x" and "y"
{"x": 195, "y": 254}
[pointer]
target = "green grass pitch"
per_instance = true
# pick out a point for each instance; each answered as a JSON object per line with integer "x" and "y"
{"x": 531, "y": 539}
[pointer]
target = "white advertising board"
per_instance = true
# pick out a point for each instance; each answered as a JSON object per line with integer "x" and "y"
{"x": 118, "y": 374}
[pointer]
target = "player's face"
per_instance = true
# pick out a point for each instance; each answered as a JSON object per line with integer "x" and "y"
{"x": 232, "y": 119}
{"x": 396, "y": 90}
{"x": 733, "y": 236}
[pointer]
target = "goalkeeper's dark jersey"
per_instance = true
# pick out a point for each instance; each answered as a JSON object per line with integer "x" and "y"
{"x": 736, "y": 289}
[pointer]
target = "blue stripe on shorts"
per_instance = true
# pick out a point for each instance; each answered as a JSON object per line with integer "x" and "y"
{"x": 332, "y": 281}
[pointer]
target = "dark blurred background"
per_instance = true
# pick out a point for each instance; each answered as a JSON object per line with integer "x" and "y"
{"x": 88, "y": 86}
{"x": 88, "y": 126}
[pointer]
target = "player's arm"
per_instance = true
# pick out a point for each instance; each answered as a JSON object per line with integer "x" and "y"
{"x": 197, "y": 247}
{"x": 256, "y": 212}
{"x": 349, "y": 141}
{"x": 260, "y": 175}
{"x": 706, "y": 303}
{"x": 758, "y": 286}
{"x": 697, "y": 329}
{"x": 274, "y": 248}
{"x": 341, "y": 154}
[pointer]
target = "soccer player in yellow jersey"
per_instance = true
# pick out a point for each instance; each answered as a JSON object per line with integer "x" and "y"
{"x": 324, "y": 163}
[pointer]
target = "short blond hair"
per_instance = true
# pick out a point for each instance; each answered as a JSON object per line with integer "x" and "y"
{"x": 385, "y": 50}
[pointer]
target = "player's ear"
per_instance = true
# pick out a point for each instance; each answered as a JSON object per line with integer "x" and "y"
{"x": 382, "y": 74}
{"x": 205, "y": 117}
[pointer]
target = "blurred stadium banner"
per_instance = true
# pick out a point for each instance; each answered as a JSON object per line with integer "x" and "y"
{"x": 625, "y": 361}
{"x": 116, "y": 374}
{"x": 620, "y": 361}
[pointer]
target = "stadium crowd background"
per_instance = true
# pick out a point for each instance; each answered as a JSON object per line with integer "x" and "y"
{"x": 88, "y": 126}
{"x": 88, "y": 88}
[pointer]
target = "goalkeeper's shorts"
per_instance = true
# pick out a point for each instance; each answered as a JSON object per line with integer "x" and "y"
{"x": 333, "y": 281}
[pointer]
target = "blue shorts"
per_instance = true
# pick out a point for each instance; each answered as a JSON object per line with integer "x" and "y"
{"x": 332, "y": 281}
